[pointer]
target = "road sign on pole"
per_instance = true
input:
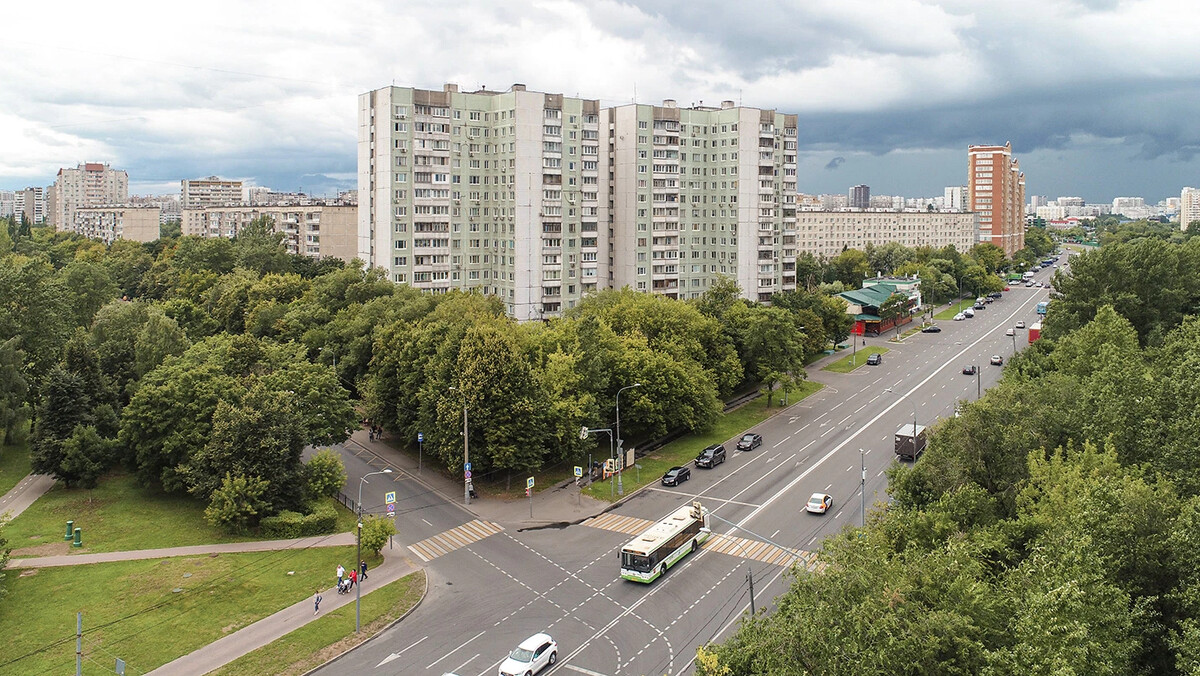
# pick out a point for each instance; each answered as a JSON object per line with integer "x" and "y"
{"x": 529, "y": 483}
{"x": 467, "y": 474}
{"x": 467, "y": 467}
{"x": 420, "y": 438}
{"x": 390, "y": 497}
{"x": 578, "y": 471}
{"x": 391, "y": 509}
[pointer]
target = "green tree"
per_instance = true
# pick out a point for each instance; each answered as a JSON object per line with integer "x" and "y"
{"x": 14, "y": 391}
{"x": 91, "y": 287}
{"x": 892, "y": 309}
{"x": 238, "y": 503}
{"x": 66, "y": 404}
{"x": 375, "y": 533}
{"x": 850, "y": 267}
{"x": 160, "y": 337}
{"x": 326, "y": 473}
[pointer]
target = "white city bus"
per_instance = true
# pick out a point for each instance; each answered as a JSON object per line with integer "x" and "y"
{"x": 650, "y": 554}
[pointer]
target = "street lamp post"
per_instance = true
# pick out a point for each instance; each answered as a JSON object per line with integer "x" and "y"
{"x": 583, "y": 434}
{"x": 914, "y": 403}
{"x": 466, "y": 455}
{"x": 620, "y": 485}
{"x": 358, "y": 547}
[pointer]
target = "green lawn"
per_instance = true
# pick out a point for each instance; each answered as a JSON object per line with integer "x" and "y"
{"x": 130, "y": 611}
{"x": 850, "y": 362}
{"x": 14, "y": 466}
{"x": 954, "y": 309}
{"x": 318, "y": 641}
{"x": 686, "y": 448}
{"x": 120, "y": 515}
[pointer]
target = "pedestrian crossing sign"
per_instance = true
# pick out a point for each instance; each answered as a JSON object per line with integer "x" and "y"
{"x": 390, "y": 497}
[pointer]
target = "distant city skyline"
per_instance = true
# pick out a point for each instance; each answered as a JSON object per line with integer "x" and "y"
{"x": 887, "y": 94}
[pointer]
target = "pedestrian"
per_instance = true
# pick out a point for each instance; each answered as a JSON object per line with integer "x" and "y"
{"x": 353, "y": 578}
{"x": 362, "y": 567}
{"x": 317, "y": 602}
{"x": 371, "y": 433}
{"x": 341, "y": 572}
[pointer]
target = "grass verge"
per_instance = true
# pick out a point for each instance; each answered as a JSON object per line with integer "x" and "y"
{"x": 120, "y": 515}
{"x": 954, "y": 309}
{"x": 130, "y": 611}
{"x": 329, "y": 636}
{"x": 850, "y": 362}
{"x": 14, "y": 466}
{"x": 686, "y": 448}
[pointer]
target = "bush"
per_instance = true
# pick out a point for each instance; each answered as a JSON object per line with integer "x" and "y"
{"x": 376, "y": 531}
{"x": 235, "y": 506}
{"x": 286, "y": 525}
{"x": 326, "y": 474}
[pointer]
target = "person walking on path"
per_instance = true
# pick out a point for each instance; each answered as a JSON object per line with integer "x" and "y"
{"x": 353, "y": 578}
{"x": 317, "y": 602}
{"x": 362, "y": 566}
{"x": 341, "y": 572}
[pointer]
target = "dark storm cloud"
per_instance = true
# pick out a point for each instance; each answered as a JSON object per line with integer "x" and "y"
{"x": 835, "y": 163}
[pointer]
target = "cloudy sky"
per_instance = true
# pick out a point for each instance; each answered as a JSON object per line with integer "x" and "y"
{"x": 1100, "y": 98}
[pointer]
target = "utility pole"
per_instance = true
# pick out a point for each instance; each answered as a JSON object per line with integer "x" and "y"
{"x": 466, "y": 459}
{"x": 862, "y": 459}
{"x": 978, "y": 382}
{"x": 750, "y": 578}
{"x": 78, "y": 644}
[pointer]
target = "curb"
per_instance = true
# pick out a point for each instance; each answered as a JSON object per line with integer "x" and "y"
{"x": 377, "y": 634}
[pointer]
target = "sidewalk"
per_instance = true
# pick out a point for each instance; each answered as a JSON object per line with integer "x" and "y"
{"x": 335, "y": 540}
{"x": 223, "y": 651}
{"x": 24, "y": 494}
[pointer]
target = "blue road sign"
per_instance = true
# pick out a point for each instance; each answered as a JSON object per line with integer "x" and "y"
{"x": 467, "y": 467}
{"x": 420, "y": 438}
{"x": 390, "y": 497}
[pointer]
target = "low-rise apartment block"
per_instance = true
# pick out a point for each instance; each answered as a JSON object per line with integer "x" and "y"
{"x": 315, "y": 229}
{"x": 112, "y": 222}
{"x": 197, "y": 193}
{"x": 825, "y": 234}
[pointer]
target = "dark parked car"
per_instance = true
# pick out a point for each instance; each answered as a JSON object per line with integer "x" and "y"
{"x": 980, "y": 306}
{"x": 711, "y": 456}
{"x": 875, "y": 360}
{"x": 676, "y": 476}
{"x": 932, "y": 328}
{"x": 969, "y": 370}
{"x": 996, "y": 294}
{"x": 749, "y": 442}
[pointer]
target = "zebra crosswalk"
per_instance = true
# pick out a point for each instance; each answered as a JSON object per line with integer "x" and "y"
{"x": 731, "y": 545}
{"x": 456, "y": 538}
{"x": 630, "y": 525}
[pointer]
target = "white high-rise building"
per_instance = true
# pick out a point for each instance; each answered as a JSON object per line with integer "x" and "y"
{"x": 197, "y": 193}
{"x": 91, "y": 184}
{"x": 1189, "y": 207}
{"x": 954, "y": 198}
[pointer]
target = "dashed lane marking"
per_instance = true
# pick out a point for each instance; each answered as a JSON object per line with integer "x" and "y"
{"x": 756, "y": 550}
{"x": 456, "y": 538}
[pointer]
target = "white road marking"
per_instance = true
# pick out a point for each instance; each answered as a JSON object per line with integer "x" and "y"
{"x": 460, "y": 667}
{"x": 814, "y": 539}
{"x": 781, "y": 441}
{"x": 774, "y": 534}
{"x": 829, "y": 486}
{"x": 460, "y": 647}
{"x": 706, "y": 497}
{"x": 586, "y": 672}
{"x": 427, "y": 523}
{"x": 861, "y": 407}
{"x": 845, "y": 419}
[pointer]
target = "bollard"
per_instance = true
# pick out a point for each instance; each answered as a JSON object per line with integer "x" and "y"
{"x": 78, "y": 538}
{"x": 70, "y": 530}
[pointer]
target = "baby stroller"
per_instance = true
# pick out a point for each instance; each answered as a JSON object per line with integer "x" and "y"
{"x": 343, "y": 587}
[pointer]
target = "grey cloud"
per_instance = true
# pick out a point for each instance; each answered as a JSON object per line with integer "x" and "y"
{"x": 835, "y": 163}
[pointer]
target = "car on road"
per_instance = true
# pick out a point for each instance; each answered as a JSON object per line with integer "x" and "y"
{"x": 875, "y": 360}
{"x": 997, "y": 360}
{"x": 1020, "y": 323}
{"x": 1006, "y": 288}
{"x": 1010, "y": 332}
{"x": 959, "y": 317}
{"x": 819, "y": 503}
{"x": 530, "y": 657}
{"x": 996, "y": 295}
{"x": 1029, "y": 284}
{"x": 749, "y": 442}
{"x": 932, "y": 328}
{"x": 676, "y": 476}
{"x": 969, "y": 313}
{"x": 979, "y": 306}
{"x": 969, "y": 370}
{"x": 711, "y": 456}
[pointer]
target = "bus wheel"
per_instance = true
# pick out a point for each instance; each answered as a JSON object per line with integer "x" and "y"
{"x": 693, "y": 545}
{"x": 662, "y": 570}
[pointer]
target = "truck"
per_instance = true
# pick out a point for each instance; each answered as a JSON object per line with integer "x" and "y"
{"x": 1041, "y": 307}
{"x": 910, "y": 441}
{"x": 1035, "y": 331}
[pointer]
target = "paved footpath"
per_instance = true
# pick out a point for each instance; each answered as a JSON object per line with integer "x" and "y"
{"x": 336, "y": 540}
{"x": 24, "y": 494}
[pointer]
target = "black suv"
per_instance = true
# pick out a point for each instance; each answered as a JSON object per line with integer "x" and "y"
{"x": 711, "y": 456}
{"x": 676, "y": 476}
{"x": 874, "y": 359}
{"x": 749, "y": 442}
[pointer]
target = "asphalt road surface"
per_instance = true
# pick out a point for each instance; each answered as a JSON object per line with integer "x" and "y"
{"x": 490, "y": 588}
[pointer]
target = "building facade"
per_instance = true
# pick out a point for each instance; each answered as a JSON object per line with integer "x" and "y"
{"x": 197, "y": 193}
{"x": 30, "y": 203}
{"x": 996, "y": 191}
{"x": 860, "y": 196}
{"x": 1189, "y": 207}
{"x": 113, "y": 222}
{"x": 90, "y": 184}
{"x": 315, "y": 229}
{"x": 825, "y": 234}
{"x": 954, "y": 198}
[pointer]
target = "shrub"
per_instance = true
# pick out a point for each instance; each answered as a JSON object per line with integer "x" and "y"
{"x": 287, "y": 524}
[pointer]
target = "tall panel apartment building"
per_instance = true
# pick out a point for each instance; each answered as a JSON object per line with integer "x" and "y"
{"x": 996, "y": 191}
{"x": 91, "y": 184}
{"x": 701, "y": 192}
{"x": 860, "y": 196}
{"x": 1189, "y": 207}
{"x": 30, "y": 203}
{"x": 539, "y": 198}
{"x": 197, "y": 193}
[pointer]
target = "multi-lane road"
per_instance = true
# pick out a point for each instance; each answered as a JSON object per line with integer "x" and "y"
{"x": 492, "y": 586}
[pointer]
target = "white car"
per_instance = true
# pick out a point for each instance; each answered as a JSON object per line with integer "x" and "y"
{"x": 959, "y": 317}
{"x": 819, "y": 503}
{"x": 534, "y": 654}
